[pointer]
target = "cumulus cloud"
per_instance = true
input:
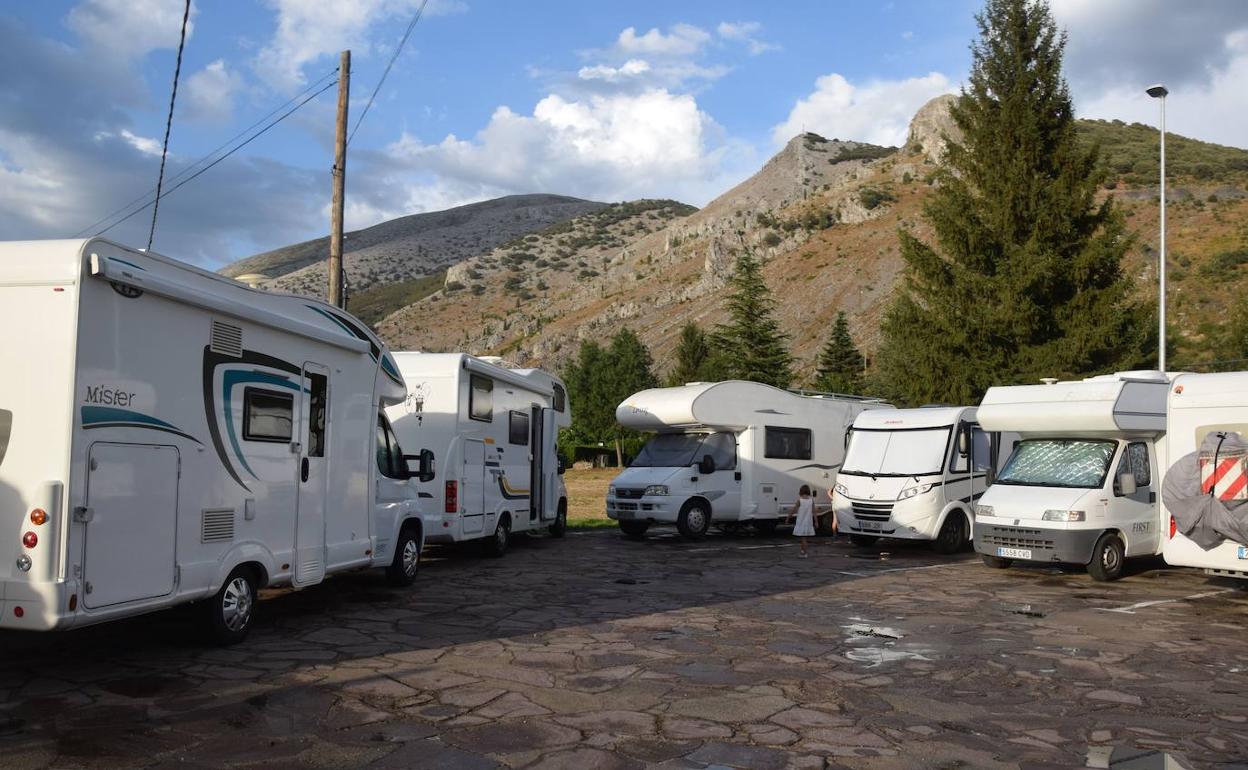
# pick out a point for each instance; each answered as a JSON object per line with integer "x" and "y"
{"x": 209, "y": 93}
{"x": 745, "y": 32}
{"x": 129, "y": 28}
{"x": 679, "y": 40}
{"x": 878, "y": 111}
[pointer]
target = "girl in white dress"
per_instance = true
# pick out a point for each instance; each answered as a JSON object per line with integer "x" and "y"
{"x": 804, "y": 510}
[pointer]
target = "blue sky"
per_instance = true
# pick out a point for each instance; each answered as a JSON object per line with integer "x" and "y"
{"x": 610, "y": 101}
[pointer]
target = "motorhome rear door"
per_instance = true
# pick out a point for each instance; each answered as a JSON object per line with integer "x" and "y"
{"x": 313, "y": 475}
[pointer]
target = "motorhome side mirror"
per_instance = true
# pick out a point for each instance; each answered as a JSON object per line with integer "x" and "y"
{"x": 424, "y": 472}
{"x": 964, "y": 443}
{"x": 1126, "y": 482}
{"x": 706, "y": 465}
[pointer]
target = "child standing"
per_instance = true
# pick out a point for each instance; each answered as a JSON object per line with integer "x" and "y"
{"x": 804, "y": 510}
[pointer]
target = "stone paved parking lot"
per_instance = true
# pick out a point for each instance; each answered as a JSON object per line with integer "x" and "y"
{"x": 598, "y": 652}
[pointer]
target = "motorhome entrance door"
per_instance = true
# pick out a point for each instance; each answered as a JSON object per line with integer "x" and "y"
{"x": 472, "y": 503}
{"x": 313, "y": 470}
{"x": 537, "y": 465}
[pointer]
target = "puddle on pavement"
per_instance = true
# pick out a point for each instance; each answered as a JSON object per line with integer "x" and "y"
{"x": 1026, "y": 610}
{"x": 866, "y": 629}
{"x": 876, "y": 645}
{"x": 1126, "y": 758}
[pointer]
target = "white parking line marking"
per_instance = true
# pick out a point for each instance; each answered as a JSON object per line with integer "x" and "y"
{"x": 1131, "y": 608}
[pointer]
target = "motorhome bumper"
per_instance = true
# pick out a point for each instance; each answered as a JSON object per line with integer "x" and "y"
{"x": 642, "y": 509}
{"x": 1072, "y": 546}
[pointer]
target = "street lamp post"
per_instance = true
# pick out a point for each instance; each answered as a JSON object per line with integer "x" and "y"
{"x": 1159, "y": 92}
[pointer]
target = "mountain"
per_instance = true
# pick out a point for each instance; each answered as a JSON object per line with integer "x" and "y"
{"x": 410, "y": 247}
{"x": 823, "y": 215}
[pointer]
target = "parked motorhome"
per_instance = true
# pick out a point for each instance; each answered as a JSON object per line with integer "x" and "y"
{"x": 168, "y": 435}
{"x": 1207, "y": 425}
{"x": 915, "y": 474}
{"x": 493, "y": 431}
{"x": 1081, "y": 485}
{"x": 727, "y": 453}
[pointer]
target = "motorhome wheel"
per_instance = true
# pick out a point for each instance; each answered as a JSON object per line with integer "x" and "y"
{"x": 496, "y": 546}
{"x": 863, "y": 541}
{"x": 560, "y": 526}
{"x": 634, "y": 529}
{"x": 996, "y": 562}
{"x": 694, "y": 521}
{"x": 230, "y": 612}
{"x": 1107, "y": 558}
{"x": 406, "y": 562}
{"x": 952, "y": 534}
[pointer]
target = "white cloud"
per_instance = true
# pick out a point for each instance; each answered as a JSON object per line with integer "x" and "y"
{"x": 630, "y": 69}
{"x": 210, "y": 93}
{"x": 129, "y": 28}
{"x": 745, "y": 32}
{"x": 681, "y": 40}
{"x": 144, "y": 144}
{"x": 878, "y": 111}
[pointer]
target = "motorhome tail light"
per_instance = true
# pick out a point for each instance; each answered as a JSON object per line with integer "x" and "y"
{"x": 73, "y": 602}
{"x": 1173, "y": 528}
{"x": 23, "y": 563}
{"x": 18, "y": 612}
{"x": 1052, "y": 515}
{"x": 38, "y": 516}
{"x": 30, "y": 540}
{"x": 452, "y": 497}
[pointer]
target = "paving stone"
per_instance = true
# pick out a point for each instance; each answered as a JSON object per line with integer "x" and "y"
{"x": 504, "y": 738}
{"x": 1113, "y": 696}
{"x": 736, "y": 755}
{"x": 694, "y": 729}
{"x": 584, "y": 758}
{"x": 617, "y": 722}
{"x": 510, "y": 705}
{"x": 732, "y": 707}
{"x": 431, "y": 755}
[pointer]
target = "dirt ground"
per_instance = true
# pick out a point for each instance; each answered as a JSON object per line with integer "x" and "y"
{"x": 587, "y": 492}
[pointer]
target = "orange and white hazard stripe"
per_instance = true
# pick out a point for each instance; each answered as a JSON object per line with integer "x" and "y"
{"x": 1228, "y": 480}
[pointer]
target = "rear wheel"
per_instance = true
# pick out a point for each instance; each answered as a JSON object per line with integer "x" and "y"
{"x": 694, "y": 521}
{"x": 863, "y": 541}
{"x": 496, "y": 546}
{"x": 996, "y": 562}
{"x": 634, "y": 529}
{"x": 406, "y": 561}
{"x": 1107, "y": 558}
{"x": 766, "y": 526}
{"x": 560, "y": 527}
{"x": 230, "y": 612}
{"x": 952, "y": 534}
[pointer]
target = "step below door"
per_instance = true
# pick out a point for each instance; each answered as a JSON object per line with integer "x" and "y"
{"x": 132, "y": 495}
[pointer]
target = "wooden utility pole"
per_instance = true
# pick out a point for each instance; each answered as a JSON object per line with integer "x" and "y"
{"x": 337, "y": 297}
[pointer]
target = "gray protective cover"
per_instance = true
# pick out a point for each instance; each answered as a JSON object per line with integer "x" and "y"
{"x": 1203, "y": 518}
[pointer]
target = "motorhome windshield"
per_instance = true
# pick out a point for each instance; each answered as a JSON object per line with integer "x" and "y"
{"x": 896, "y": 452}
{"x": 1051, "y": 462}
{"x": 680, "y": 450}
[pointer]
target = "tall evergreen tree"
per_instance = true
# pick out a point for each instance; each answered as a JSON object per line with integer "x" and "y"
{"x": 1024, "y": 279}
{"x": 696, "y": 358}
{"x": 840, "y": 362}
{"x": 598, "y": 380}
{"x": 752, "y": 345}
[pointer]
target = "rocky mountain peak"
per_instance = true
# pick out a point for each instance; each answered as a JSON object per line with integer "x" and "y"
{"x": 932, "y": 126}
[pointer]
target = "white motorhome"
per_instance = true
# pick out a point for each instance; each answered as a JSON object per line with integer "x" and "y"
{"x": 1200, "y": 405}
{"x": 168, "y": 435}
{"x": 727, "y": 453}
{"x": 493, "y": 431}
{"x": 1081, "y": 486}
{"x": 915, "y": 474}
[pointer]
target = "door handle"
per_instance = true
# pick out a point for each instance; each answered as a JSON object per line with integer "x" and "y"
{"x": 83, "y": 514}
{"x": 303, "y": 469}
{"x": 736, "y": 476}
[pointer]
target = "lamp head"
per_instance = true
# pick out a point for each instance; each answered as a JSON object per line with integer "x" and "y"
{"x": 1158, "y": 91}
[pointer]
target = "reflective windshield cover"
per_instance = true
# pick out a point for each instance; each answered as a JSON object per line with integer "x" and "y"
{"x": 1058, "y": 463}
{"x": 680, "y": 450}
{"x": 896, "y": 452}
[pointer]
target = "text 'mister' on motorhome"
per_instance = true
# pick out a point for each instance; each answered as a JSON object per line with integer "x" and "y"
{"x": 1081, "y": 486}
{"x": 727, "y": 453}
{"x": 168, "y": 435}
{"x": 492, "y": 431}
{"x": 1207, "y": 426}
{"x": 915, "y": 474}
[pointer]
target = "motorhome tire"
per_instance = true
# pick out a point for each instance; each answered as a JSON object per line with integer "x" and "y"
{"x": 952, "y": 535}
{"x": 694, "y": 520}
{"x": 230, "y": 612}
{"x": 766, "y": 526}
{"x": 560, "y": 527}
{"x": 634, "y": 529}
{"x": 996, "y": 562}
{"x": 496, "y": 546}
{"x": 1107, "y": 558}
{"x": 406, "y": 562}
{"x": 863, "y": 541}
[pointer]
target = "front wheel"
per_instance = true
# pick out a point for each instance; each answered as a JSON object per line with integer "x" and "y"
{"x": 496, "y": 546}
{"x": 560, "y": 527}
{"x": 694, "y": 521}
{"x": 863, "y": 541}
{"x": 996, "y": 562}
{"x": 952, "y": 534}
{"x": 634, "y": 529}
{"x": 406, "y": 561}
{"x": 1107, "y": 558}
{"x": 229, "y": 613}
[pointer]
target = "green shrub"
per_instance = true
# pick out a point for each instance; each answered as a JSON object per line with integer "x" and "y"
{"x": 872, "y": 197}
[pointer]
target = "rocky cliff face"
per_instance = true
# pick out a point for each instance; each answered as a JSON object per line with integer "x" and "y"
{"x": 932, "y": 126}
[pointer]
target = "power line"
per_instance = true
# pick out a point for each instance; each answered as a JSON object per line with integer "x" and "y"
{"x": 235, "y": 149}
{"x": 406, "y": 34}
{"x": 124, "y": 207}
{"x": 173, "y": 97}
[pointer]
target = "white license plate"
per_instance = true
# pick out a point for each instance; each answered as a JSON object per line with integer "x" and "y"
{"x": 1243, "y": 552}
{"x": 1014, "y": 553}
{"x": 872, "y": 525}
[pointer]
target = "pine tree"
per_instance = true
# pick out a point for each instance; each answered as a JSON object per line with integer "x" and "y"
{"x": 751, "y": 344}
{"x": 598, "y": 380}
{"x": 696, "y": 358}
{"x": 1024, "y": 279}
{"x": 840, "y": 363}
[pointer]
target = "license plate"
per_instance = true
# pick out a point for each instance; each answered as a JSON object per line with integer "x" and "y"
{"x": 1243, "y": 552}
{"x": 872, "y": 525}
{"x": 1014, "y": 553}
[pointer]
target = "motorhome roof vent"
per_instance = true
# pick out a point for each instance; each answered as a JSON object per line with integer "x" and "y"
{"x": 1049, "y": 380}
{"x": 227, "y": 339}
{"x": 217, "y": 525}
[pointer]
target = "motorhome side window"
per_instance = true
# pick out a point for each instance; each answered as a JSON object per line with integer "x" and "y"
{"x": 267, "y": 415}
{"x": 389, "y": 456}
{"x": 787, "y": 443}
{"x": 981, "y": 449}
{"x": 481, "y": 398}
{"x": 561, "y": 398}
{"x": 722, "y": 447}
{"x": 1134, "y": 461}
{"x": 6, "y": 426}
{"x": 518, "y": 430}
{"x": 318, "y": 414}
